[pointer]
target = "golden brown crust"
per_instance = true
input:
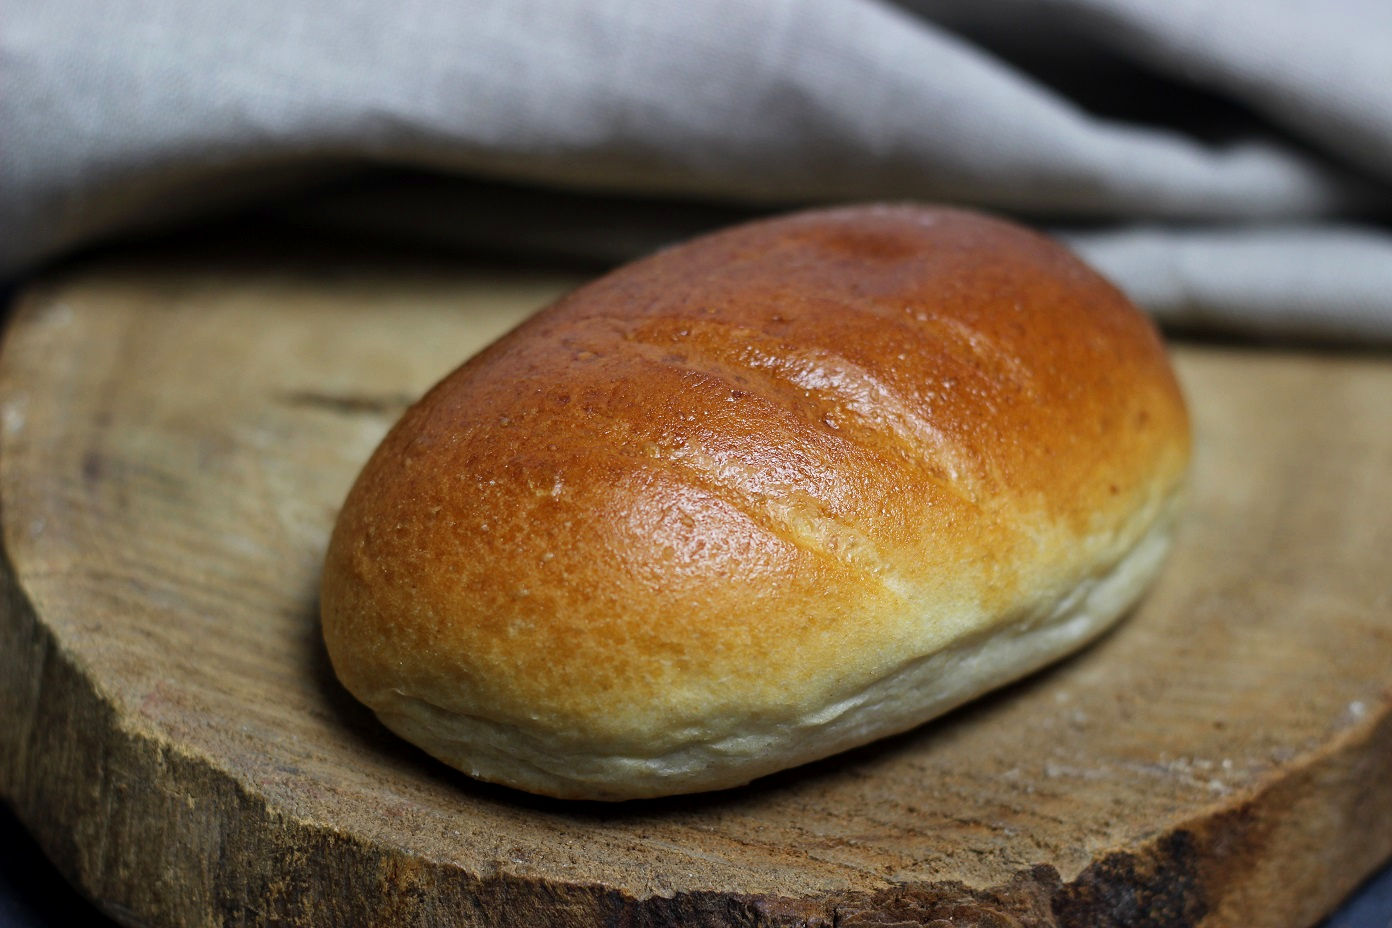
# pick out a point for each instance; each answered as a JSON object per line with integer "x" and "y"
{"x": 750, "y": 475}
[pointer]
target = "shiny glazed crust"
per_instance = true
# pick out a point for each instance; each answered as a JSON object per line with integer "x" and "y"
{"x": 756, "y": 499}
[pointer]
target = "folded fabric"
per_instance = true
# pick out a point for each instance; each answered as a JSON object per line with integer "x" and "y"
{"x": 1230, "y": 164}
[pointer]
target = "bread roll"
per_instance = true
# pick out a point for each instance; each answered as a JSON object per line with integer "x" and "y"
{"x": 757, "y": 499}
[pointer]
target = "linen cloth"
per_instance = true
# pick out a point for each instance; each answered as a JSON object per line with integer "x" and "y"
{"x": 1229, "y": 164}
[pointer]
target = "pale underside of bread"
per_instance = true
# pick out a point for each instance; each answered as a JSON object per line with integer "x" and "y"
{"x": 756, "y": 500}
{"x": 923, "y": 687}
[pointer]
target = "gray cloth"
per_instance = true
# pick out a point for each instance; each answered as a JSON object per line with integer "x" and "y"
{"x": 1228, "y": 163}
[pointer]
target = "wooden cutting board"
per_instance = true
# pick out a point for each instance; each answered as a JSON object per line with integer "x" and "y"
{"x": 175, "y": 436}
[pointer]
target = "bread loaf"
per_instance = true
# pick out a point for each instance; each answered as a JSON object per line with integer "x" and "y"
{"x": 757, "y": 499}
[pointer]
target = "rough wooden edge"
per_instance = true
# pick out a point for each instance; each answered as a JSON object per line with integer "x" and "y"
{"x": 156, "y": 836}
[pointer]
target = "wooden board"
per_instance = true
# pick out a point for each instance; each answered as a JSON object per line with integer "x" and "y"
{"x": 175, "y": 437}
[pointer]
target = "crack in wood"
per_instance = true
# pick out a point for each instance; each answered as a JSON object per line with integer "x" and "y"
{"x": 351, "y": 404}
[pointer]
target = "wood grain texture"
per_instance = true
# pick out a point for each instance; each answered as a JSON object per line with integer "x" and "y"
{"x": 175, "y": 437}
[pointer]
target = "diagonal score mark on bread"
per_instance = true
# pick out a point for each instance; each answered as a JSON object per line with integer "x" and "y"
{"x": 826, "y": 387}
